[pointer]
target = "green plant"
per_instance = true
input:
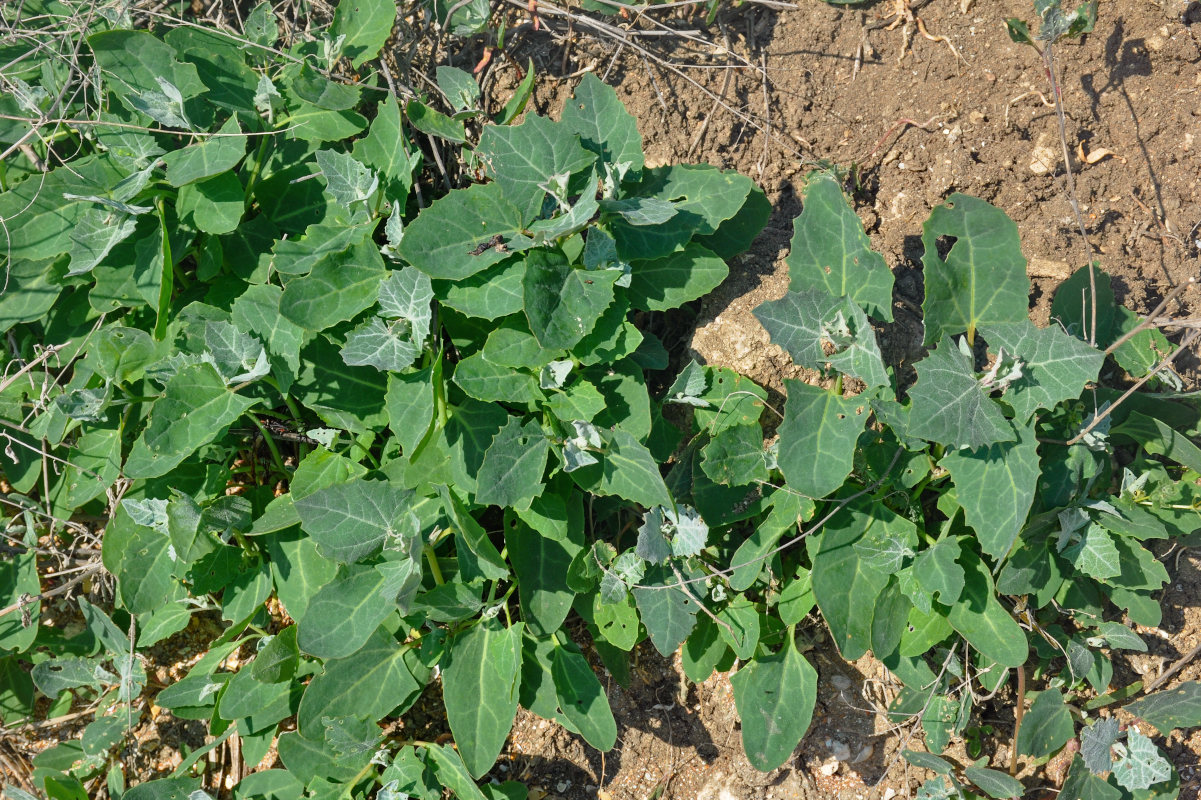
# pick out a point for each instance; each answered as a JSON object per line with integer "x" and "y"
{"x": 467, "y": 465}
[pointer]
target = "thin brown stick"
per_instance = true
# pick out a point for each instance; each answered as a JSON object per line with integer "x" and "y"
{"x": 1180, "y": 664}
{"x": 1018, "y": 711}
{"x": 1189, "y": 338}
{"x": 1150, "y": 320}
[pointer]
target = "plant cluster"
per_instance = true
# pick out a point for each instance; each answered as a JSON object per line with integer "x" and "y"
{"x": 466, "y": 466}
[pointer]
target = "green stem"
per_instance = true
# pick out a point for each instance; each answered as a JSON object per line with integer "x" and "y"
{"x": 275, "y": 456}
{"x": 431, "y": 558}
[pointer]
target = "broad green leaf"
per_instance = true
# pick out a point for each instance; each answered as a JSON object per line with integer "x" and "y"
{"x": 133, "y": 62}
{"x": 994, "y": 783}
{"x": 982, "y": 280}
{"x": 19, "y": 580}
{"x": 164, "y": 789}
{"x": 888, "y": 541}
{"x": 625, "y": 469}
{"x": 141, "y": 559}
{"x": 322, "y": 241}
{"x": 459, "y": 86}
{"x": 96, "y": 233}
{"x": 787, "y": 510}
{"x": 667, "y": 610}
{"x": 312, "y": 87}
{"x": 483, "y": 380}
{"x": 938, "y": 572}
{"x": 845, "y": 585}
{"x": 817, "y": 438}
{"x": 511, "y": 475}
{"x": 261, "y": 25}
{"x": 94, "y": 465}
{"x": 995, "y": 485}
{"x": 336, "y": 290}
{"x": 442, "y": 241}
{"x": 352, "y": 521}
{"x": 582, "y": 698}
{"x": 195, "y": 408}
{"x": 410, "y": 406}
{"x": 452, "y": 772}
{"x": 562, "y": 304}
{"x": 1159, "y": 438}
{"x": 1055, "y": 366}
{"x": 388, "y": 151}
{"x": 540, "y": 564}
{"x": 262, "y": 703}
{"x": 735, "y": 456}
{"x": 604, "y": 125}
{"x": 277, "y": 661}
{"x": 1095, "y": 554}
{"x": 32, "y": 290}
{"x": 948, "y": 404}
{"x": 495, "y": 292}
{"x": 435, "y": 123}
{"x": 298, "y": 570}
{"x": 617, "y": 623}
{"x": 344, "y": 613}
{"x": 211, "y": 156}
{"x": 775, "y": 696}
{"x": 1046, "y": 727}
{"x": 16, "y": 691}
{"x": 40, "y": 220}
{"x": 702, "y": 651}
{"x": 1168, "y": 709}
{"x": 473, "y": 535}
{"x": 343, "y": 396}
{"x": 928, "y": 761}
{"x": 370, "y": 683}
{"x": 1096, "y": 743}
{"x": 366, "y": 26}
{"x": 981, "y": 619}
{"x": 831, "y": 254}
{"x": 805, "y": 322}
{"x": 522, "y": 159}
{"x": 479, "y": 689}
{"x": 214, "y": 205}
{"x": 1140, "y": 569}
{"x": 704, "y": 197}
{"x": 739, "y": 627}
{"x": 256, "y": 311}
{"x": 675, "y": 279}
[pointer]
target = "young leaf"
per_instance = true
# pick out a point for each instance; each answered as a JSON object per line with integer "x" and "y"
{"x": 817, "y": 438}
{"x": 346, "y": 180}
{"x": 380, "y": 344}
{"x": 1143, "y": 765}
{"x": 775, "y": 696}
{"x": 479, "y": 688}
{"x": 1046, "y": 727}
{"x": 995, "y": 485}
{"x": 803, "y": 321}
{"x": 937, "y": 571}
{"x": 98, "y": 231}
{"x": 831, "y": 254}
{"x": 949, "y": 406}
{"x": 1055, "y": 366}
{"x": 982, "y": 280}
